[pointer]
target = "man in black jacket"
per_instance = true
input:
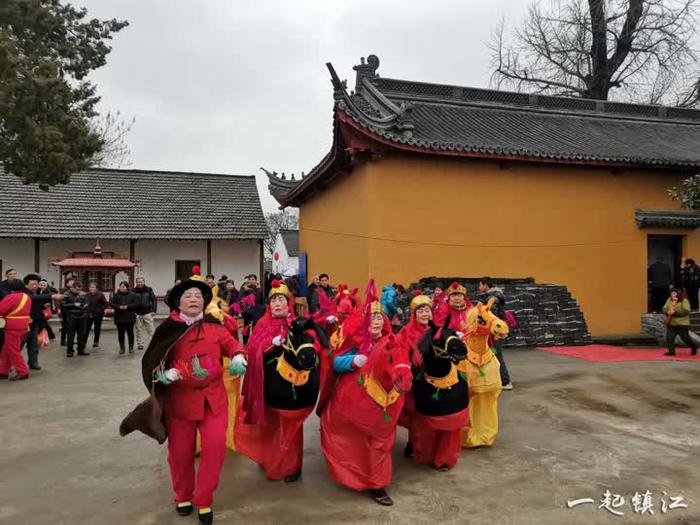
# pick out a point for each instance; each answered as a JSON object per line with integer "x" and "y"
{"x": 486, "y": 292}
{"x": 74, "y": 308}
{"x": 145, "y": 313}
{"x": 39, "y": 302}
{"x": 312, "y": 294}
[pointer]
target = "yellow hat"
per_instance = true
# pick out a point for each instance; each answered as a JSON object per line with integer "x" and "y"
{"x": 419, "y": 299}
{"x": 278, "y": 288}
{"x": 455, "y": 287}
{"x": 376, "y": 308}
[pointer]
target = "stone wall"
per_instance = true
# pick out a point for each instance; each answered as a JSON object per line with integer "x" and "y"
{"x": 547, "y": 315}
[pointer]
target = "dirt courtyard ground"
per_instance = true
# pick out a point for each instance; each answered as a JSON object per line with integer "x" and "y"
{"x": 569, "y": 430}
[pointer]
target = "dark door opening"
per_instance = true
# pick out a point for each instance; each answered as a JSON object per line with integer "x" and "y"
{"x": 183, "y": 269}
{"x": 668, "y": 250}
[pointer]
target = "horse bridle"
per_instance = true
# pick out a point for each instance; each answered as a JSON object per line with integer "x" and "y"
{"x": 295, "y": 351}
{"x": 442, "y": 351}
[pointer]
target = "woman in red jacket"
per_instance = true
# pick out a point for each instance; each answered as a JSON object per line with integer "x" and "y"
{"x": 184, "y": 360}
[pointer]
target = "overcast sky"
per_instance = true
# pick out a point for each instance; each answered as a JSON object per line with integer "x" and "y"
{"x": 228, "y": 86}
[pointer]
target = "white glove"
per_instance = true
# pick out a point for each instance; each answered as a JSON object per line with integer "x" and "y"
{"x": 238, "y": 365}
{"x": 460, "y": 334}
{"x": 278, "y": 340}
{"x": 331, "y": 319}
{"x": 359, "y": 361}
{"x": 172, "y": 374}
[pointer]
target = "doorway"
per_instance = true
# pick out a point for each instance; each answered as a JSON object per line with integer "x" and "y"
{"x": 668, "y": 249}
{"x": 183, "y": 269}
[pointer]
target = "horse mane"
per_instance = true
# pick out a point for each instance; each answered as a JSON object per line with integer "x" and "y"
{"x": 472, "y": 320}
{"x": 377, "y": 359}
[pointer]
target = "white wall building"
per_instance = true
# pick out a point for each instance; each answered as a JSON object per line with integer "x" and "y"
{"x": 285, "y": 258}
{"x": 165, "y": 221}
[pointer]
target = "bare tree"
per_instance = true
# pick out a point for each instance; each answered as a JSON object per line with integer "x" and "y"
{"x": 631, "y": 50}
{"x": 282, "y": 220}
{"x": 112, "y": 130}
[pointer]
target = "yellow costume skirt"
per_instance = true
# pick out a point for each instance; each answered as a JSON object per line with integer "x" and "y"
{"x": 233, "y": 390}
{"x": 484, "y": 391}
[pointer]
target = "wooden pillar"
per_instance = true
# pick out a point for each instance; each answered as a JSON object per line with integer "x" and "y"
{"x": 37, "y": 258}
{"x": 261, "y": 266}
{"x": 208, "y": 256}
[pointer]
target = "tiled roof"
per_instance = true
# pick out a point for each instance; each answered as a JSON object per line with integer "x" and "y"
{"x": 447, "y": 120}
{"x": 134, "y": 204}
{"x": 667, "y": 219}
{"x": 291, "y": 241}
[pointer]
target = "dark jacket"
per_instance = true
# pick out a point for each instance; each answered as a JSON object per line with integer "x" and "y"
{"x": 499, "y": 305}
{"x": 96, "y": 304}
{"x": 39, "y": 302}
{"x": 690, "y": 276}
{"x": 131, "y": 300}
{"x": 4, "y": 288}
{"x": 147, "y": 302}
{"x": 252, "y": 314}
{"x": 230, "y": 296}
{"x": 74, "y": 304}
{"x": 659, "y": 274}
{"x": 312, "y": 296}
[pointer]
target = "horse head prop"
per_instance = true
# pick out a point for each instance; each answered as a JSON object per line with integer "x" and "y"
{"x": 302, "y": 343}
{"x": 481, "y": 322}
{"x": 389, "y": 364}
{"x": 443, "y": 342}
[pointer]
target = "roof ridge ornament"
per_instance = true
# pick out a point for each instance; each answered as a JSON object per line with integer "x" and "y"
{"x": 365, "y": 70}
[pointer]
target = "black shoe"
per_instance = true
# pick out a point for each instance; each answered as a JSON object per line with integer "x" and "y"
{"x": 95, "y": 345}
{"x": 83, "y": 352}
{"x": 121, "y": 350}
{"x": 442, "y": 468}
{"x": 292, "y": 477}
{"x": 4, "y": 376}
{"x": 184, "y": 508}
{"x": 408, "y": 451}
{"x": 206, "y": 517}
{"x": 670, "y": 353}
{"x": 34, "y": 367}
{"x": 19, "y": 377}
{"x": 69, "y": 353}
{"x": 381, "y": 497}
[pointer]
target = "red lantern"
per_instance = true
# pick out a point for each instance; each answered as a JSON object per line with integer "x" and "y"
{"x": 276, "y": 256}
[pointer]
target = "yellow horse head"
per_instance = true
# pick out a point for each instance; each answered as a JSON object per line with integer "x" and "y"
{"x": 482, "y": 322}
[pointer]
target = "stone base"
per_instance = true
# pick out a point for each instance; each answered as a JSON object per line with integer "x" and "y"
{"x": 655, "y": 325}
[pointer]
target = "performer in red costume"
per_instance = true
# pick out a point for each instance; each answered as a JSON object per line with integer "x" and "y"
{"x": 183, "y": 368}
{"x": 358, "y": 423}
{"x": 280, "y": 387}
{"x": 15, "y": 308}
{"x": 456, "y": 307}
{"x": 437, "y": 410}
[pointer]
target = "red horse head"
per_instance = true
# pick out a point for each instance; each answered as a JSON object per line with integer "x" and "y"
{"x": 388, "y": 363}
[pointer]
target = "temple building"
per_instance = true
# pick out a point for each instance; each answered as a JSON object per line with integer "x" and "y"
{"x": 428, "y": 179}
{"x": 111, "y": 225}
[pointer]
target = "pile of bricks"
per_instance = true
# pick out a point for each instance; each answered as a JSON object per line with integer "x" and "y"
{"x": 547, "y": 315}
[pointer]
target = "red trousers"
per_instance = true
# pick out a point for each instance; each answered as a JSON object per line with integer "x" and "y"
{"x": 181, "y": 450}
{"x": 12, "y": 353}
{"x": 436, "y": 439}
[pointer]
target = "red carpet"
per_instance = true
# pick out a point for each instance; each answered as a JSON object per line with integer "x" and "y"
{"x": 618, "y": 354}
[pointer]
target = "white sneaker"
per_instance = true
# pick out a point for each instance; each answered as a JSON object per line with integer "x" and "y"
{"x": 509, "y": 386}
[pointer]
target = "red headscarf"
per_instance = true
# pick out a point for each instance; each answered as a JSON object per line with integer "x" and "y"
{"x": 253, "y": 393}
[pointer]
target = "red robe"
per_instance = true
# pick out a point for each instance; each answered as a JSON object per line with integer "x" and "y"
{"x": 272, "y": 438}
{"x": 357, "y": 437}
